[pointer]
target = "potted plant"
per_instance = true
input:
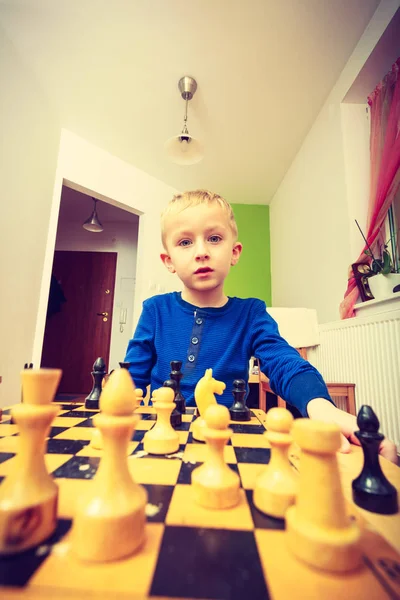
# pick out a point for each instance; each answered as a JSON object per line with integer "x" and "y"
{"x": 383, "y": 278}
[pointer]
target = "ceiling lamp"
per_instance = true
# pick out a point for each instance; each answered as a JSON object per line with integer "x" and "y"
{"x": 93, "y": 223}
{"x": 184, "y": 149}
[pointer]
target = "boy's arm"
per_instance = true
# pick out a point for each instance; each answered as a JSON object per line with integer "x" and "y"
{"x": 322, "y": 410}
{"x": 298, "y": 382}
{"x": 141, "y": 352}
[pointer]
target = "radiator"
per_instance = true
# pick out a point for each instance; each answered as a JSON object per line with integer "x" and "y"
{"x": 365, "y": 351}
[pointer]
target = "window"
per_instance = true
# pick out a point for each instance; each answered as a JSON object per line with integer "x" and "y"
{"x": 392, "y": 229}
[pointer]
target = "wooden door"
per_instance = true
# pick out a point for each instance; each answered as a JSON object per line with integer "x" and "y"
{"x": 79, "y": 333}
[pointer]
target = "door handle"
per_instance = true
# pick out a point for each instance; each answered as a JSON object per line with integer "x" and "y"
{"x": 103, "y": 314}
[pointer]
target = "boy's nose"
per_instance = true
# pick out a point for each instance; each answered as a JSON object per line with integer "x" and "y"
{"x": 201, "y": 251}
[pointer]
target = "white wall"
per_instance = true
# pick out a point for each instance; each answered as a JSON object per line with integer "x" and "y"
{"x": 117, "y": 237}
{"x": 29, "y": 138}
{"x": 355, "y": 133}
{"x": 313, "y": 234}
{"x": 310, "y": 249}
{"x": 96, "y": 172}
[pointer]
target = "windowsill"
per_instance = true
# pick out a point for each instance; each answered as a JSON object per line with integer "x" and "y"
{"x": 373, "y": 307}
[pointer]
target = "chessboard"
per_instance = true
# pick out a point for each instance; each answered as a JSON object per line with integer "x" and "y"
{"x": 189, "y": 552}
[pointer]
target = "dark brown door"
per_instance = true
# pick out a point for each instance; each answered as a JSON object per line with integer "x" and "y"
{"x": 78, "y": 330}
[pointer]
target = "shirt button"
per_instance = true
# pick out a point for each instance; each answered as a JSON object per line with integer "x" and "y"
{"x": 195, "y": 340}
{"x": 191, "y": 357}
{"x": 199, "y": 321}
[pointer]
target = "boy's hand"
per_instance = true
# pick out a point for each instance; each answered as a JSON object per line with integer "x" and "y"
{"x": 323, "y": 410}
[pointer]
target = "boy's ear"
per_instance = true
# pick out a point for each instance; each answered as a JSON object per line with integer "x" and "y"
{"x": 236, "y": 252}
{"x": 168, "y": 262}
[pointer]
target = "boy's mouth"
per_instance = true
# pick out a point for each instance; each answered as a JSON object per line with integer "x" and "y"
{"x": 203, "y": 270}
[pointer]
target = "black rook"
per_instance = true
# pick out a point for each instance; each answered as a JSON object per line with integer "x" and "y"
{"x": 176, "y": 375}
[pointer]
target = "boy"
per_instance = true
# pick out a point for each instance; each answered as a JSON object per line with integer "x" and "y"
{"x": 204, "y": 328}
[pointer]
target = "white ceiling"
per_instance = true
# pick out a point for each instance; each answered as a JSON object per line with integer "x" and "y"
{"x": 379, "y": 62}
{"x": 263, "y": 67}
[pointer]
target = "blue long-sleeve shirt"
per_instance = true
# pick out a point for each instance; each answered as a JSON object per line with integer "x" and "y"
{"x": 223, "y": 339}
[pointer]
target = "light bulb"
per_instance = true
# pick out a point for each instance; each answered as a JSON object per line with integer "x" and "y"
{"x": 184, "y": 145}
{"x": 183, "y": 149}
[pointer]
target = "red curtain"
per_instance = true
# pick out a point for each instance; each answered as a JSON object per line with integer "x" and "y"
{"x": 384, "y": 104}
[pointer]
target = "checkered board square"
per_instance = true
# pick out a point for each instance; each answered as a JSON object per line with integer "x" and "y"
{"x": 190, "y": 552}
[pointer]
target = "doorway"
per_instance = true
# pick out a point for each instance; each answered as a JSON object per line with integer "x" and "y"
{"x": 79, "y": 316}
{"x": 93, "y": 273}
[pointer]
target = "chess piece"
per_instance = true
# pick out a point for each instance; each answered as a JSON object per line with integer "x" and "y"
{"x": 139, "y": 392}
{"x": 239, "y": 411}
{"x": 318, "y": 529}
{"x": 371, "y": 489}
{"x": 99, "y": 370}
{"x": 124, "y": 365}
{"x": 29, "y": 495}
{"x": 139, "y": 396}
{"x": 176, "y": 416}
{"x": 162, "y": 438}
{"x": 214, "y": 484}
{"x": 204, "y": 396}
{"x": 276, "y": 486}
{"x": 176, "y": 375}
{"x": 26, "y": 366}
{"x": 96, "y": 441}
{"x": 110, "y": 516}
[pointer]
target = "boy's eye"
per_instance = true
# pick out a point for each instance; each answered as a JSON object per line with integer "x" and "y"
{"x": 214, "y": 239}
{"x": 184, "y": 243}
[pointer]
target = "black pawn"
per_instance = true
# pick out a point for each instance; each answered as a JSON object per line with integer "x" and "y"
{"x": 125, "y": 365}
{"x": 99, "y": 370}
{"x": 239, "y": 411}
{"x": 176, "y": 417}
{"x": 371, "y": 489}
{"x": 176, "y": 375}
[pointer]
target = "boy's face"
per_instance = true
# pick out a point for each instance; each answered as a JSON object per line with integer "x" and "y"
{"x": 201, "y": 248}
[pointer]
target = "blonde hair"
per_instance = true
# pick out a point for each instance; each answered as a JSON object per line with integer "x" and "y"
{"x": 193, "y": 198}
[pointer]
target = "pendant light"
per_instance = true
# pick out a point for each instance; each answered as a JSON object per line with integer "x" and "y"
{"x": 92, "y": 223}
{"x": 184, "y": 149}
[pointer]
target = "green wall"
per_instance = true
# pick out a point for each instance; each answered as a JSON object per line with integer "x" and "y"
{"x": 251, "y": 277}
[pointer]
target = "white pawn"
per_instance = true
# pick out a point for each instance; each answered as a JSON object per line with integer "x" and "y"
{"x": 162, "y": 438}
{"x": 276, "y": 486}
{"x": 214, "y": 484}
{"x": 318, "y": 528}
{"x": 139, "y": 396}
{"x": 96, "y": 441}
{"x": 29, "y": 495}
{"x": 110, "y": 518}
